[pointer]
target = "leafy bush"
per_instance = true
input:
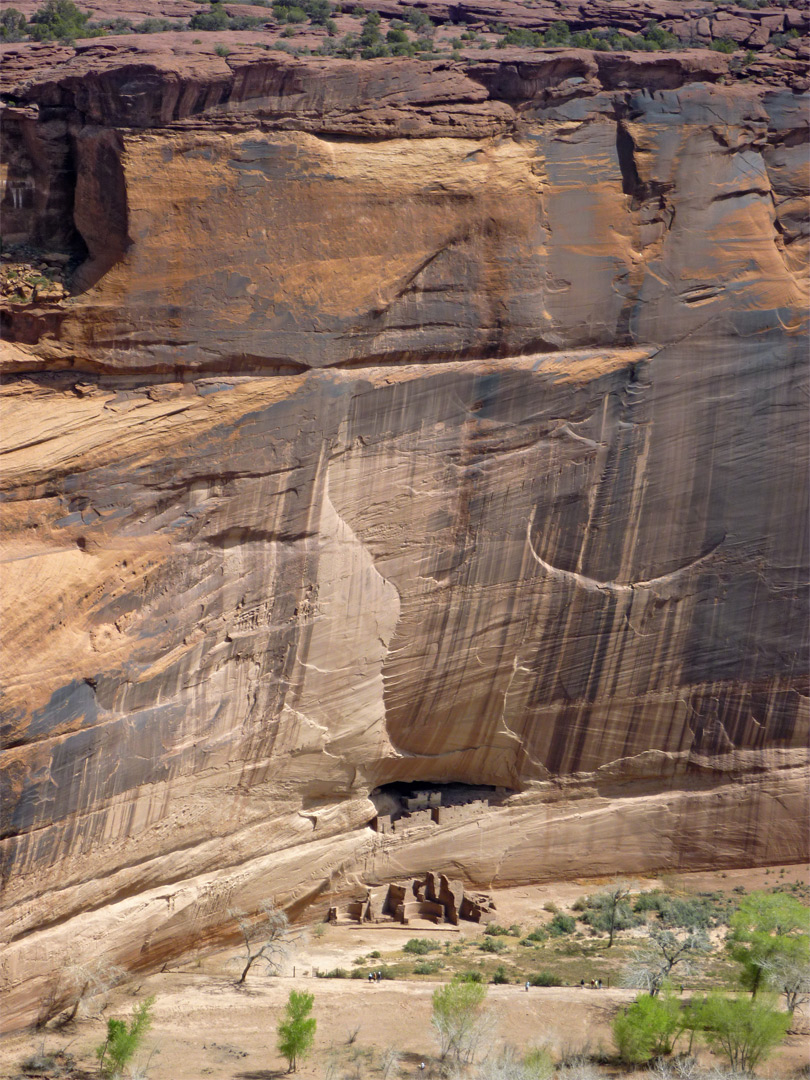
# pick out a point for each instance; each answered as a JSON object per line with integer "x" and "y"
{"x": 494, "y": 930}
{"x": 562, "y": 924}
{"x": 538, "y": 1063}
{"x": 545, "y": 978}
{"x": 724, "y": 45}
{"x": 419, "y": 946}
{"x": 335, "y": 973}
{"x": 647, "y": 1028}
{"x": 689, "y": 912}
{"x": 419, "y": 20}
{"x": 124, "y": 1040}
{"x": 518, "y": 35}
{"x": 538, "y": 934}
{"x": 558, "y": 33}
{"x": 222, "y": 50}
{"x": 500, "y": 977}
{"x": 57, "y": 19}
{"x": 607, "y": 913}
{"x": 214, "y": 19}
{"x": 470, "y": 976}
{"x": 12, "y": 25}
{"x": 745, "y": 1031}
{"x": 457, "y": 1016}
{"x": 426, "y": 967}
{"x": 492, "y": 945}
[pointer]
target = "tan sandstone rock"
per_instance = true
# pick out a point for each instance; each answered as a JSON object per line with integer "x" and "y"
{"x": 407, "y": 422}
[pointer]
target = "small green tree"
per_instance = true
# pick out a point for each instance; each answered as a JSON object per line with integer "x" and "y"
{"x": 296, "y": 1031}
{"x": 768, "y": 931}
{"x": 743, "y": 1029}
{"x": 608, "y": 910}
{"x": 458, "y": 1017}
{"x": 647, "y": 1028}
{"x": 124, "y": 1039}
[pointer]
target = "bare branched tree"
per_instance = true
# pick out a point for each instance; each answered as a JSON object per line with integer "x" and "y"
{"x": 79, "y": 988}
{"x": 267, "y": 937}
{"x": 650, "y": 966}
{"x": 788, "y": 974}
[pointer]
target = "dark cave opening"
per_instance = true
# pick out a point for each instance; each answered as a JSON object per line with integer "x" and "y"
{"x": 424, "y": 801}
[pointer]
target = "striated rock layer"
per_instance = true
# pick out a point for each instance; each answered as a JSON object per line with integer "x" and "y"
{"x": 407, "y": 422}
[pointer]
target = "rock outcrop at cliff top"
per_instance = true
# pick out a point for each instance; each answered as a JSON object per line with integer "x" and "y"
{"x": 406, "y": 422}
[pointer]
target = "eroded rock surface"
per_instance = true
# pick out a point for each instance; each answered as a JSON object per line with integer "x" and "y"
{"x": 406, "y": 422}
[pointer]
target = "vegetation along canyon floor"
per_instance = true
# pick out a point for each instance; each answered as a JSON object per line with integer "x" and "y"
{"x": 206, "y": 1025}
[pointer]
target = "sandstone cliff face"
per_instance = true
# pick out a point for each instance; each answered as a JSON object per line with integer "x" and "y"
{"x": 407, "y": 422}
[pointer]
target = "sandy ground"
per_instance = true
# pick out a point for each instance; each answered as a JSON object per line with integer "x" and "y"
{"x": 205, "y": 1027}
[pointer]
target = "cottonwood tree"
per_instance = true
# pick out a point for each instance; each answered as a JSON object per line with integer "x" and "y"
{"x": 267, "y": 938}
{"x": 651, "y": 966}
{"x": 769, "y": 937}
{"x": 460, "y": 1019}
{"x": 296, "y": 1030}
{"x": 743, "y": 1029}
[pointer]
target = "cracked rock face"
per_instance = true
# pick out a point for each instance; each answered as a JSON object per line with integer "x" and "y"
{"x": 406, "y": 423}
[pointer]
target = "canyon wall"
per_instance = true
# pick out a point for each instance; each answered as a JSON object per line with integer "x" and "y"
{"x": 406, "y": 422}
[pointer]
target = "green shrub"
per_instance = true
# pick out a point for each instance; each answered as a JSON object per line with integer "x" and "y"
{"x": 538, "y": 1064}
{"x": 12, "y": 25}
{"x": 426, "y": 967}
{"x": 492, "y": 945}
{"x": 745, "y": 1031}
{"x": 335, "y": 973}
{"x": 222, "y": 50}
{"x": 545, "y": 978}
{"x": 124, "y": 1040}
{"x": 57, "y": 19}
{"x": 647, "y": 1028}
{"x": 500, "y": 976}
{"x": 494, "y": 930}
{"x": 470, "y": 977}
{"x": 724, "y": 45}
{"x": 538, "y": 934}
{"x": 216, "y": 18}
{"x": 419, "y": 946}
{"x": 518, "y": 35}
{"x": 158, "y": 26}
{"x": 558, "y": 33}
{"x": 562, "y": 924}
{"x": 419, "y": 20}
